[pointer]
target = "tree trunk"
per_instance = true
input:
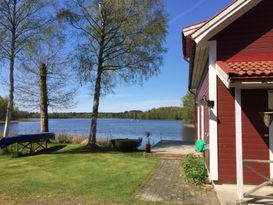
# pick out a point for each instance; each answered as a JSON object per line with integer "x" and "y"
{"x": 11, "y": 97}
{"x": 11, "y": 73}
{"x": 43, "y": 99}
{"x": 96, "y": 100}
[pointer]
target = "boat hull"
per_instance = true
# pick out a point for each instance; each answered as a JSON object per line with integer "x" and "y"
{"x": 126, "y": 145}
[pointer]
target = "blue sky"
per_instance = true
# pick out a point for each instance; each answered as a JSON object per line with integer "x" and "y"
{"x": 171, "y": 84}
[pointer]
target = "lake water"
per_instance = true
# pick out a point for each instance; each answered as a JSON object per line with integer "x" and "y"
{"x": 112, "y": 128}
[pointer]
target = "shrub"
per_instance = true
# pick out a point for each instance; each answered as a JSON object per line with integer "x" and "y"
{"x": 194, "y": 169}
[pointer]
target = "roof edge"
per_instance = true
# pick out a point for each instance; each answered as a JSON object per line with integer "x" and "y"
{"x": 228, "y": 15}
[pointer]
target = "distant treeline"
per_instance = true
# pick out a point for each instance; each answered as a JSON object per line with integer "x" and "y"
{"x": 17, "y": 114}
{"x": 170, "y": 113}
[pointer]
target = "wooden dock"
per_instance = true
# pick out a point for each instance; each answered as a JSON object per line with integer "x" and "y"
{"x": 168, "y": 149}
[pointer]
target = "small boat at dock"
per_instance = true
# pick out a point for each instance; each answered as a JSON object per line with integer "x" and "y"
{"x": 126, "y": 144}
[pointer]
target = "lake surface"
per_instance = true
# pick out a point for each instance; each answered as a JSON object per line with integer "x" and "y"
{"x": 112, "y": 128}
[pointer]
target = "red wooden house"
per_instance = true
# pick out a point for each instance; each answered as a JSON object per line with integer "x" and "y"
{"x": 231, "y": 75}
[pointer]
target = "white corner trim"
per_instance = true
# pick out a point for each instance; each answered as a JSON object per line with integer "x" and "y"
{"x": 270, "y": 106}
{"x": 271, "y": 149}
{"x": 239, "y": 144}
{"x": 213, "y": 123}
{"x": 223, "y": 19}
{"x": 202, "y": 122}
{"x": 222, "y": 76}
{"x": 198, "y": 122}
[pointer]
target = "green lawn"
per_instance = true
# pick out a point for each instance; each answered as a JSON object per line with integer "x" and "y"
{"x": 73, "y": 174}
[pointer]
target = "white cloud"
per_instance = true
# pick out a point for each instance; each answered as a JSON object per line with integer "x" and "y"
{"x": 187, "y": 11}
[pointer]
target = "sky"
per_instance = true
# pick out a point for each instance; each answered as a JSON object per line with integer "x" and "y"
{"x": 167, "y": 88}
{"x": 171, "y": 84}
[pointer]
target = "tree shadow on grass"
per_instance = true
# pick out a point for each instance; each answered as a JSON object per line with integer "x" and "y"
{"x": 23, "y": 153}
{"x": 83, "y": 149}
{"x": 52, "y": 149}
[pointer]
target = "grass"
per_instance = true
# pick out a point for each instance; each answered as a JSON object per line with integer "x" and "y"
{"x": 73, "y": 174}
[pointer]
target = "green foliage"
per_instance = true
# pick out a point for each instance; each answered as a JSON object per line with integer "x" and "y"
{"x": 3, "y": 108}
{"x": 194, "y": 169}
{"x": 163, "y": 113}
{"x": 16, "y": 114}
{"x": 188, "y": 106}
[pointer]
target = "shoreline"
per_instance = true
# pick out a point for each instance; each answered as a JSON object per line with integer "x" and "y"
{"x": 189, "y": 125}
{"x": 20, "y": 120}
{"x": 37, "y": 120}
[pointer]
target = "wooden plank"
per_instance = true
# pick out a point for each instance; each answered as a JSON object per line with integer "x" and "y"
{"x": 226, "y": 133}
{"x": 250, "y": 34}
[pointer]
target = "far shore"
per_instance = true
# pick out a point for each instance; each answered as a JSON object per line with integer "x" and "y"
{"x": 21, "y": 120}
{"x": 37, "y": 120}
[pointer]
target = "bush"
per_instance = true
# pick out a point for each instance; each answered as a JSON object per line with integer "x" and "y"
{"x": 194, "y": 169}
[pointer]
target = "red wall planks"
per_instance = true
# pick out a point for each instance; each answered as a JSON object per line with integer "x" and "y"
{"x": 255, "y": 145}
{"x": 250, "y": 37}
{"x": 226, "y": 133}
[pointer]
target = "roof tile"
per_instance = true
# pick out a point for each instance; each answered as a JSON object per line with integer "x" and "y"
{"x": 249, "y": 68}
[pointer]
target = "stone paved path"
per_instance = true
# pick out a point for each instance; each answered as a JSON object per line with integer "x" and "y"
{"x": 166, "y": 184}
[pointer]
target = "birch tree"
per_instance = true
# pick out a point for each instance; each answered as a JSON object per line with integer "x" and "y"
{"x": 20, "y": 21}
{"x": 118, "y": 40}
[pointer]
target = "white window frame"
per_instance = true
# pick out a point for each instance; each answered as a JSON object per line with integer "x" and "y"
{"x": 198, "y": 122}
